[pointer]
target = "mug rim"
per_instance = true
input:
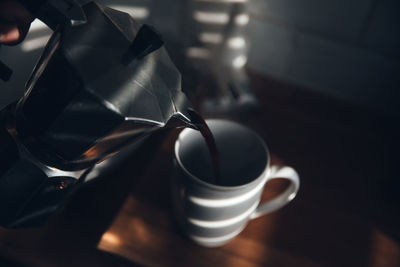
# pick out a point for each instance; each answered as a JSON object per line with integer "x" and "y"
{"x": 221, "y": 187}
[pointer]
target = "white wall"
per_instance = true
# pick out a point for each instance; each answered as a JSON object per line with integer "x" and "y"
{"x": 344, "y": 48}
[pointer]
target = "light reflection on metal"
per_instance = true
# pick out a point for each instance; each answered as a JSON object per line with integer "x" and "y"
{"x": 34, "y": 43}
{"x": 39, "y": 34}
{"x": 62, "y": 185}
{"x": 38, "y": 26}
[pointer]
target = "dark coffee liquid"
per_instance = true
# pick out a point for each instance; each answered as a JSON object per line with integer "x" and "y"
{"x": 201, "y": 125}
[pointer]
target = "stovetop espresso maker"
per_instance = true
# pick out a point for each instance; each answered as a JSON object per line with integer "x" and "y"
{"x": 102, "y": 83}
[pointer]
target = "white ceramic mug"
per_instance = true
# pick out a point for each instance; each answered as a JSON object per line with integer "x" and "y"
{"x": 212, "y": 214}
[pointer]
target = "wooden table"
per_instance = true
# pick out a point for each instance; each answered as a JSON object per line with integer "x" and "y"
{"x": 346, "y": 213}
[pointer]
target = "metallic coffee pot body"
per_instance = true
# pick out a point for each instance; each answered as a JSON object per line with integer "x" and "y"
{"x": 102, "y": 83}
{"x": 97, "y": 87}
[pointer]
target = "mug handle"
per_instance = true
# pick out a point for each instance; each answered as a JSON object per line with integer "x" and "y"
{"x": 285, "y": 197}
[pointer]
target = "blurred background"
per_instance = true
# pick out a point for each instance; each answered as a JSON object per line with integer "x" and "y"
{"x": 346, "y": 50}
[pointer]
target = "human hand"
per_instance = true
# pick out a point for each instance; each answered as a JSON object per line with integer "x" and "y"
{"x": 15, "y": 21}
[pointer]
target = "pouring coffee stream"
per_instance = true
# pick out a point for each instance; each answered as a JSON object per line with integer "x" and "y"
{"x": 200, "y": 124}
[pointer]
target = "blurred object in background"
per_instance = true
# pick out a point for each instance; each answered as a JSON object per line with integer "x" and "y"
{"x": 216, "y": 47}
{"x": 138, "y": 9}
{"x": 345, "y": 50}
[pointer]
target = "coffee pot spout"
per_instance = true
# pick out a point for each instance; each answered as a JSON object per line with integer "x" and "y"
{"x": 181, "y": 117}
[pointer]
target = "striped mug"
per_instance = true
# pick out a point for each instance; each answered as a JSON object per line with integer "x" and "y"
{"x": 212, "y": 212}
